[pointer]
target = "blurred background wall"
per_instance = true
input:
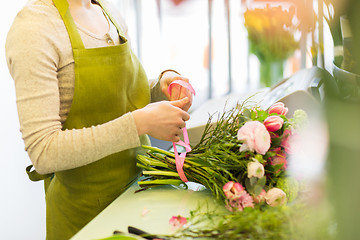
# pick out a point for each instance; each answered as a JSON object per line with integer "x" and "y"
{"x": 22, "y": 203}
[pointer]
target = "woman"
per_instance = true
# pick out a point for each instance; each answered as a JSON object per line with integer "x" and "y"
{"x": 83, "y": 104}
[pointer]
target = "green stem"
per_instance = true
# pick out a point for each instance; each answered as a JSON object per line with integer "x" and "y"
{"x": 155, "y": 149}
{"x": 161, "y": 182}
{"x": 161, "y": 173}
{"x": 151, "y": 161}
{"x": 146, "y": 167}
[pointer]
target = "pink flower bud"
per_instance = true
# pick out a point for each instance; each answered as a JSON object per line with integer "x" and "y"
{"x": 275, "y": 197}
{"x": 273, "y": 123}
{"x": 232, "y": 190}
{"x": 278, "y": 108}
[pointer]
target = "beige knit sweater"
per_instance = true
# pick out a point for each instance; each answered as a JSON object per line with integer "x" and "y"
{"x": 40, "y": 60}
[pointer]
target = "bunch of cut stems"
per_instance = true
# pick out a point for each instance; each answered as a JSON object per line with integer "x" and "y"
{"x": 213, "y": 162}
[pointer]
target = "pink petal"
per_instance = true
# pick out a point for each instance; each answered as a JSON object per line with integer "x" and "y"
{"x": 144, "y": 212}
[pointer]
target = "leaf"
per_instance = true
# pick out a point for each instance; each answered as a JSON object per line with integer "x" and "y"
{"x": 257, "y": 190}
{"x": 262, "y": 181}
{"x": 248, "y": 185}
{"x": 272, "y": 168}
{"x": 278, "y": 167}
{"x": 199, "y": 162}
{"x": 269, "y": 154}
{"x": 276, "y": 141}
{"x": 253, "y": 181}
{"x": 259, "y": 158}
{"x": 262, "y": 115}
{"x": 247, "y": 113}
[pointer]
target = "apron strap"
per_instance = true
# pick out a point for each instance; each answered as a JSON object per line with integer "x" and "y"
{"x": 75, "y": 39}
{"x": 112, "y": 19}
{"x": 35, "y": 176}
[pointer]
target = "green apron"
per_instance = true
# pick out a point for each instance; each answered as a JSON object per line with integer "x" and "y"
{"x": 109, "y": 82}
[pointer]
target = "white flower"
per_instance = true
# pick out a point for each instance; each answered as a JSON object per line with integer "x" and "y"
{"x": 275, "y": 197}
{"x": 255, "y": 169}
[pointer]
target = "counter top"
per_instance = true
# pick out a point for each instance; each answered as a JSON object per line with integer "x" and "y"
{"x": 148, "y": 210}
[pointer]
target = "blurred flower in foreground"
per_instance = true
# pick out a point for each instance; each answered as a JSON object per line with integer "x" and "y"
{"x": 177, "y": 221}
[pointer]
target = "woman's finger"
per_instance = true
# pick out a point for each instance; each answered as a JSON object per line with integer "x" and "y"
{"x": 175, "y": 92}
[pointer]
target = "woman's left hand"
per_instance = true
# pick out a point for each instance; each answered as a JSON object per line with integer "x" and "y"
{"x": 177, "y": 91}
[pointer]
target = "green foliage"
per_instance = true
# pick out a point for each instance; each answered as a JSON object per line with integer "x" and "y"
{"x": 262, "y": 222}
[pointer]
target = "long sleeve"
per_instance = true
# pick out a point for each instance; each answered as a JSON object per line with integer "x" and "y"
{"x": 40, "y": 60}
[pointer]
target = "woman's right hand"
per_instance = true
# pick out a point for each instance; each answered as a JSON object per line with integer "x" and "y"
{"x": 162, "y": 120}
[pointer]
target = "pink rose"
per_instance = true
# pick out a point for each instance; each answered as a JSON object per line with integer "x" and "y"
{"x": 275, "y": 197}
{"x": 278, "y": 108}
{"x": 255, "y": 137}
{"x": 232, "y": 190}
{"x": 273, "y": 123}
{"x": 177, "y": 221}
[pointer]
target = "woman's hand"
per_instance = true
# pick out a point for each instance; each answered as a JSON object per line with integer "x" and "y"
{"x": 177, "y": 91}
{"x": 162, "y": 120}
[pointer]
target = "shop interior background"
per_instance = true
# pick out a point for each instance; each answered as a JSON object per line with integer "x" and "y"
{"x": 175, "y": 37}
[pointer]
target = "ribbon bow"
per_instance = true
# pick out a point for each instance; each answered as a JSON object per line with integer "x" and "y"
{"x": 180, "y": 159}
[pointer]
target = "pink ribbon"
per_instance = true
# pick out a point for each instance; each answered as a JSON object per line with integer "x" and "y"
{"x": 180, "y": 159}
{"x": 183, "y": 84}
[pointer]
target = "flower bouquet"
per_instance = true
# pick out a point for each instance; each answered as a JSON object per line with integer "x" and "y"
{"x": 242, "y": 158}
